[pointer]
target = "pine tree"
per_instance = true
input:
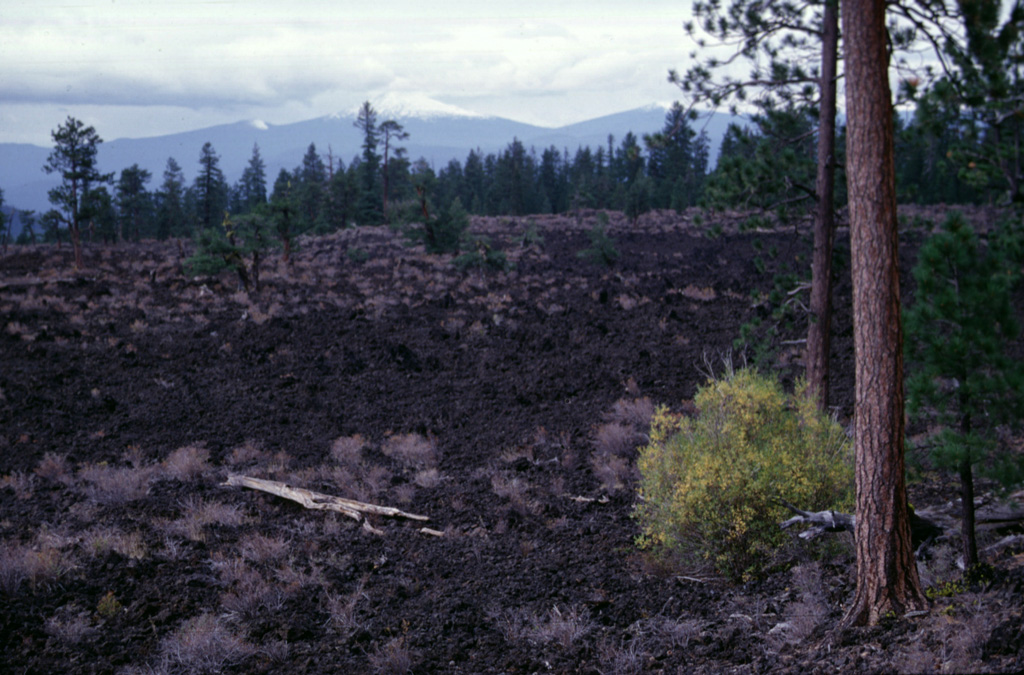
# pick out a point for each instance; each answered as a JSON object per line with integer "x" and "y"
{"x": 368, "y": 210}
{"x": 793, "y": 49}
{"x": 987, "y": 82}
{"x": 252, "y": 186}
{"x": 887, "y": 578}
{"x": 391, "y": 132}
{"x": 170, "y": 212}
{"x": 74, "y": 159}
{"x": 672, "y": 162}
{"x": 309, "y": 190}
{"x": 211, "y": 191}
{"x": 965, "y": 382}
{"x": 134, "y": 203}
{"x": 284, "y": 206}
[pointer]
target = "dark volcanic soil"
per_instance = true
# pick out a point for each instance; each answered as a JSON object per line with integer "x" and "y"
{"x": 369, "y": 370}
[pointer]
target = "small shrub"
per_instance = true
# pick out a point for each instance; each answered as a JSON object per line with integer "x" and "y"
{"x": 481, "y": 254}
{"x": 710, "y": 486}
{"x": 358, "y": 255}
{"x": 443, "y": 233}
{"x": 108, "y": 605}
{"x": 531, "y": 236}
{"x": 602, "y": 249}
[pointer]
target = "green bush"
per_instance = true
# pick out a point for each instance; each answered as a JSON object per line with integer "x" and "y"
{"x": 481, "y": 254}
{"x": 602, "y": 249}
{"x": 442, "y": 234}
{"x": 711, "y": 485}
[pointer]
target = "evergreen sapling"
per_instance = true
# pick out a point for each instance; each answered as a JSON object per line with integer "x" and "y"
{"x": 962, "y": 381}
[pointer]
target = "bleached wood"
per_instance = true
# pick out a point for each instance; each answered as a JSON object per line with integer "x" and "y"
{"x": 319, "y": 501}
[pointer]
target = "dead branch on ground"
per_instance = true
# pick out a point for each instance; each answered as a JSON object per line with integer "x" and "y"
{"x": 321, "y": 502}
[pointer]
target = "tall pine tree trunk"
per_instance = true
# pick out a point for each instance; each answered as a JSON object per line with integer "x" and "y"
{"x": 887, "y": 579}
{"x": 76, "y": 243}
{"x": 819, "y": 334}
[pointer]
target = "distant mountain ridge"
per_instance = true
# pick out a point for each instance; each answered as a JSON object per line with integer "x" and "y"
{"x": 437, "y": 132}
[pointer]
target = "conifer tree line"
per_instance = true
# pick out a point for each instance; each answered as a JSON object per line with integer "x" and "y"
{"x": 945, "y": 153}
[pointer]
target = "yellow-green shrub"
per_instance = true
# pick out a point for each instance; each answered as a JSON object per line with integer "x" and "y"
{"x": 710, "y": 485}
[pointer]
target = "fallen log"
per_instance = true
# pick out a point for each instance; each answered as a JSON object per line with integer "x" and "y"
{"x": 318, "y": 501}
{"x": 822, "y": 521}
{"x": 922, "y": 530}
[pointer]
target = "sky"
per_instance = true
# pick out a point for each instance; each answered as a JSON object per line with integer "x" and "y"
{"x": 137, "y": 68}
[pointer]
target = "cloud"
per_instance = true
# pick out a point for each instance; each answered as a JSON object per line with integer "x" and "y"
{"x": 298, "y": 54}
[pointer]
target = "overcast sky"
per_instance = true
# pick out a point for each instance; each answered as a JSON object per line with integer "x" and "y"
{"x": 136, "y": 68}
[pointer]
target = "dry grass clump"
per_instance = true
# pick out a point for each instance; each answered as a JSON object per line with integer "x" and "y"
{"x": 348, "y": 450}
{"x": 611, "y": 461}
{"x": 70, "y": 626}
{"x": 633, "y": 412}
{"x": 204, "y": 644}
{"x": 101, "y": 540}
{"x": 110, "y": 485}
{"x": 516, "y": 491}
{"x": 247, "y": 454}
{"x": 341, "y": 608}
{"x": 616, "y": 441}
{"x": 392, "y": 658}
{"x": 428, "y": 478}
{"x": 187, "y": 463}
{"x": 560, "y": 626}
{"x": 36, "y": 564}
{"x": 21, "y": 483}
{"x": 259, "y": 548}
{"x": 807, "y": 613}
{"x": 412, "y": 450}
{"x": 199, "y": 513}
{"x": 55, "y": 467}
{"x": 249, "y": 594}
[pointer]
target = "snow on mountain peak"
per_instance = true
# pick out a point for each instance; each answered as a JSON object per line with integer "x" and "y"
{"x": 259, "y": 124}
{"x": 398, "y": 106}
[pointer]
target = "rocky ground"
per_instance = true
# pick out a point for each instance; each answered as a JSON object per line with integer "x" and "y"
{"x": 504, "y": 406}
